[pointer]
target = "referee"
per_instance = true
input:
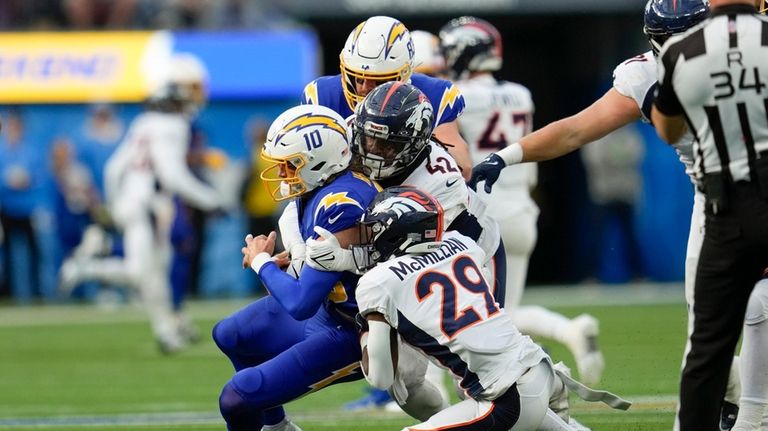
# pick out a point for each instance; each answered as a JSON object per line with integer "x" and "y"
{"x": 713, "y": 79}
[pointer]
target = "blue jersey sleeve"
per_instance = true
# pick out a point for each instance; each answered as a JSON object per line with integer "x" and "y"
{"x": 301, "y": 297}
{"x": 327, "y": 91}
{"x": 446, "y": 99}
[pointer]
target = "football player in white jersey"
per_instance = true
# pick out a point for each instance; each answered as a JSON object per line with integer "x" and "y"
{"x": 630, "y": 100}
{"x": 498, "y": 113}
{"x": 393, "y": 145}
{"x": 420, "y": 278}
{"x": 141, "y": 178}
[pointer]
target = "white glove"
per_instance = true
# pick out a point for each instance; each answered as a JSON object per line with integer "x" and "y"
{"x": 325, "y": 253}
{"x": 297, "y": 253}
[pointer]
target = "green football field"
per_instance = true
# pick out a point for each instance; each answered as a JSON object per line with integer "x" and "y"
{"x": 78, "y": 367}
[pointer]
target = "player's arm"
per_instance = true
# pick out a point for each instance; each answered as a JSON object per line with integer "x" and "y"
{"x": 667, "y": 112}
{"x": 610, "y": 112}
{"x": 457, "y": 146}
{"x": 169, "y": 160}
{"x": 378, "y": 342}
{"x": 301, "y": 297}
{"x": 331, "y": 252}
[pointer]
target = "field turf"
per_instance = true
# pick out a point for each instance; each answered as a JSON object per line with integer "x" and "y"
{"x": 70, "y": 368}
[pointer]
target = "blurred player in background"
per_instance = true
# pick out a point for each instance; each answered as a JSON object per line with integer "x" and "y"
{"x": 629, "y": 100}
{"x": 498, "y": 113}
{"x": 380, "y": 50}
{"x": 141, "y": 178}
{"x": 418, "y": 270}
{"x": 300, "y": 338}
{"x": 427, "y": 58}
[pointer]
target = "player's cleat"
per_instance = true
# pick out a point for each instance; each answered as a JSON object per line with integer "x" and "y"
{"x": 375, "y": 399}
{"x": 70, "y": 275}
{"x": 94, "y": 243}
{"x": 169, "y": 345}
{"x": 582, "y": 342}
{"x": 188, "y": 330}
{"x": 285, "y": 425}
{"x": 728, "y": 415}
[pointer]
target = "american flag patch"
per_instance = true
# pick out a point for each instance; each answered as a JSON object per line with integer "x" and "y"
{"x": 430, "y": 233}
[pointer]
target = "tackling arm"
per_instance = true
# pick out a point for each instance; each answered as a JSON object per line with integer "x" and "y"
{"x": 607, "y": 114}
{"x": 379, "y": 359}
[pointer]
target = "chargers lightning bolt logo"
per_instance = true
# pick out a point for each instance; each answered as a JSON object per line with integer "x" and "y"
{"x": 450, "y": 95}
{"x": 310, "y": 119}
{"x": 332, "y": 199}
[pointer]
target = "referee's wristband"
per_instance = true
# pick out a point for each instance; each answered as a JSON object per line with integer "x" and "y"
{"x": 512, "y": 154}
{"x": 260, "y": 260}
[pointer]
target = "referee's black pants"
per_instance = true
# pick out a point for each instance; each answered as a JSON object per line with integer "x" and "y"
{"x": 733, "y": 256}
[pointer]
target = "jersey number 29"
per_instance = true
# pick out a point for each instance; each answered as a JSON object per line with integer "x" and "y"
{"x": 468, "y": 276}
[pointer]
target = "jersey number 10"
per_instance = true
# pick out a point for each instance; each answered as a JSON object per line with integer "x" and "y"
{"x": 313, "y": 140}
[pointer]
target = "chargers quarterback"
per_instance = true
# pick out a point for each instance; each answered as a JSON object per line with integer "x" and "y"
{"x": 300, "y": 338}
{"x": 419, "y": 278}
{"x": 499, "y": 113}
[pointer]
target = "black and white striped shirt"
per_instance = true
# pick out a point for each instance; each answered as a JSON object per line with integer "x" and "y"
{"x": 716, "y": 74}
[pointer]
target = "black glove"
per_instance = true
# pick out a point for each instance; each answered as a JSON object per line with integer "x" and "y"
{"x": 488, "y": 170}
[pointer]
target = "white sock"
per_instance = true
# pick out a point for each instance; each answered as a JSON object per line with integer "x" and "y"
{"x": 538, "y": 321}
{"x": 754, "y": 376}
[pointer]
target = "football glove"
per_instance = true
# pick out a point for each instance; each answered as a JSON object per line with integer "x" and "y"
{"x": 326, "y": 254}
{"x": 488, "y": 170}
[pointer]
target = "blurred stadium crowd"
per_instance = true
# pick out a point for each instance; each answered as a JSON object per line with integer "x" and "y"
{"x": 138, "y": 14}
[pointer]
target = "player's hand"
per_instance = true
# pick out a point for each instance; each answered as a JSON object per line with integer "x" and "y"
{"x": 256, "y": 245}
{"x": 488, "y": 170}
{"x": 326, "y": 254}
{"x": 282, "y": 259}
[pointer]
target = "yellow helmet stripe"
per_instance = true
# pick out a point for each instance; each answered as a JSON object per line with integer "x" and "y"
{"x": 307, "y": 120}
{"x": 397, "y": 31}
{"x": 358, "y": 30}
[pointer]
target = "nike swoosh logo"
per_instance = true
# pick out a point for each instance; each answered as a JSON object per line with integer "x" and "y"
{"x": 450, "y": 183}
{"x": 332, "y": 220}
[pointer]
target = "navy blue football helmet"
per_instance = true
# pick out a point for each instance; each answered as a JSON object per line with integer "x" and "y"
{"x": 663, "y": 18}
{"x": 400, "y": 220}
{"x": 392, "y": 125}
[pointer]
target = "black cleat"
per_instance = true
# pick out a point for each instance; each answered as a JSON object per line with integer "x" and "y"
{"x": 728, "y": 416}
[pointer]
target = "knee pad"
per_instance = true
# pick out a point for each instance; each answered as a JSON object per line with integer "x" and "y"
{"x": 757, "y": 307}
{"x": 225, "y": 336}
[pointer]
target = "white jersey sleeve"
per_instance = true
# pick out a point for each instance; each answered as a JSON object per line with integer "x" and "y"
{"x": 169, "y": 136}
{"x": 636, "y": 78}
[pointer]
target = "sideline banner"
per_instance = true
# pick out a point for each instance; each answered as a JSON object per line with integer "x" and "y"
{"x": 79, "y": 67}
{"x": 85, "y": 67}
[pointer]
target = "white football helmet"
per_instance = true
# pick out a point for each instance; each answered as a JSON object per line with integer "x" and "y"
{"x": 427, "y": 57}
{"x": 379, "y": 49}
{"x": 306, "y": 145}
{"x": 183, "y": 79}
